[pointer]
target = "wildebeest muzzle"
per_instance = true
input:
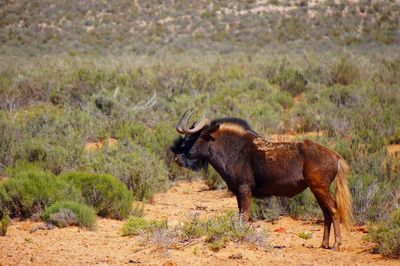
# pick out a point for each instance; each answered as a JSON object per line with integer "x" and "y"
{"x": 184, "y": 161}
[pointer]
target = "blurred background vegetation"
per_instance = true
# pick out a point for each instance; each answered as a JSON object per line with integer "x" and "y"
{"x": 75, "y": 72}
{"x": 146, "y": 27}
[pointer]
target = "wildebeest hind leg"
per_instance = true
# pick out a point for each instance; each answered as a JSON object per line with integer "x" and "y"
{"x": 244, "y": 202}
{"x": 327, "y": 225}
{"x": 323, "y": 195}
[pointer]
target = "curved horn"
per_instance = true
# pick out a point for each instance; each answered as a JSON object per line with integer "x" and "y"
{"x": 179, "y": 124}
{"x": 197, "y": 126}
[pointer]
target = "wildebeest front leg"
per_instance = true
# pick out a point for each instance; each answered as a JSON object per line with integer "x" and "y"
{"x": 244, "y": 202}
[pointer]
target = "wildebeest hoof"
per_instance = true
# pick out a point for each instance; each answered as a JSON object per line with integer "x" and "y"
{"x": 325, "y": 246}
{"x": 335, "y": 247}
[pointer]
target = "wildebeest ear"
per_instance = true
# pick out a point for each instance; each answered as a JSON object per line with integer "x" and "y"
{"x": 207, "y": 134}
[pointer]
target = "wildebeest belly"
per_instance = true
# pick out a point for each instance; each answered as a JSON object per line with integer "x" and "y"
{"x": 287, "y": 187}
{"x": 278, "y": 169}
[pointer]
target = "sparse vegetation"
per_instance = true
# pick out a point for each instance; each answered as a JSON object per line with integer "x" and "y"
{"x": 30, "y": 192}
{"x": 72, "y": 74}
{"x": 108, "y": 196}
{"x": 141, "y": 159}
{"x": 136, "y": 225}
{"x": 141, "y": 170}
{"x": 218, "y": 86}
{"x": 221, "y": 229}
{"x": 217, "y": 231}
{"x": 176, "y": 27}
{"x": 305, "y": 235}
{"x": 212, "y": 179}
{"x": 386, "y": 236}
{"x": 4, "y": 222}
{"x": 65, "y": 213}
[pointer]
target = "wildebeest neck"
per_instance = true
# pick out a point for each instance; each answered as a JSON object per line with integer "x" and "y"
{"x": 229, "y": 152}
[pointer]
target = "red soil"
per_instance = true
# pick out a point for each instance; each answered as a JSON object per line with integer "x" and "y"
{"x": 105, "y": 246}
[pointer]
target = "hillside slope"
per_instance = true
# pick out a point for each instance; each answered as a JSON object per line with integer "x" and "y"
{"x": 147, "y": 26}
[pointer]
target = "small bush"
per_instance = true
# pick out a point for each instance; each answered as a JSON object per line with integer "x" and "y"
{"x": 212, "y": 179}
{"x": 268, "y": 208}
{"x": 302, "y": 206}
{"x": 141, "y": 171}
{"x": 63, "y": 218}
{"x": 386, "y": 236}
{"x": 305, "y": 235}
{"x": 108, "y": 196}
{"x": 137, "y": 209}
{"x": 4, "y": 223}
{"x": 221, "y": 229}
{"x": 291, "y": 80}
{"x": 29, "y": 192}
{"x": 65, "y": 213}
{"x": 135, "y": 225}
{"x": 345, "y": 71}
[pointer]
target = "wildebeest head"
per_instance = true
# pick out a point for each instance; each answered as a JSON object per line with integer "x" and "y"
{"x": 191, "y": 150}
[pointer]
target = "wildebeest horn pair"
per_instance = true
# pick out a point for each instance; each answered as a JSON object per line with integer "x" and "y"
{"x": 182, "y": 125}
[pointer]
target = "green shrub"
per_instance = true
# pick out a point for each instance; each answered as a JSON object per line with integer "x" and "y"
{"x": 142, "y": 172}
{"x": 138, "y": 209}
{"x": 4, "y": 223}
{"x": 8, "y": 149}
{"x": 85, "y": 215}
{"x": 305, "y": 235}
{"x": 253, "y": 99}
{"x": 386, "y": 236}
{"x": 29, "y": 192}
{"x": 345, "y": 70}
{"x": 291, "y": 80}
{"x": 154, "y": 141}
{"x": 292, "y": 28}
{"x": 303, "y": 206}
{"x": 221, "y": 229}
{"x": 38, "y": 135}
{"x": 267, "y": 208}
{"x": 23, "y": 167}
{"x": 135, "y": 225}
{"x": 108, "y": 196}
{"x": 212, "y": 179}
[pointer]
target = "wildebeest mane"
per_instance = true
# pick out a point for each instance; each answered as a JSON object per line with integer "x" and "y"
{"x": 232, "y": 120}
{"x": 235, "y": 121}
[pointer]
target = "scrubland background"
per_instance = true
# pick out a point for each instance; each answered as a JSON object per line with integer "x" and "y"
{"x": 74, "y": 72}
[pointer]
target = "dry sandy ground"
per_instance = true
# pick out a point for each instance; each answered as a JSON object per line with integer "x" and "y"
{"x": 75, "y": 246}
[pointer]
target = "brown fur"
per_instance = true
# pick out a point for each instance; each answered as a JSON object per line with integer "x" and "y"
{"x": 231, "y": 128}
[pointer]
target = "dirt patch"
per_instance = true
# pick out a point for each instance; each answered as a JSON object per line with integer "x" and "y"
{"x": 105, "y": 246}
{"x": 95, "y": 145}
{"x": 394, "y": 149}
{"x": 189, "y": 199}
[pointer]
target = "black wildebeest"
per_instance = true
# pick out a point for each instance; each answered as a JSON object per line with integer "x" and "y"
{"x": 252, "y": 166}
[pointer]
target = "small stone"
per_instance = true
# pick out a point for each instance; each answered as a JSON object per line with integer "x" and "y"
{"x": 237, "y": 256}
{"x": 280, "y": 230}
{"x": 170, "y": 263}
